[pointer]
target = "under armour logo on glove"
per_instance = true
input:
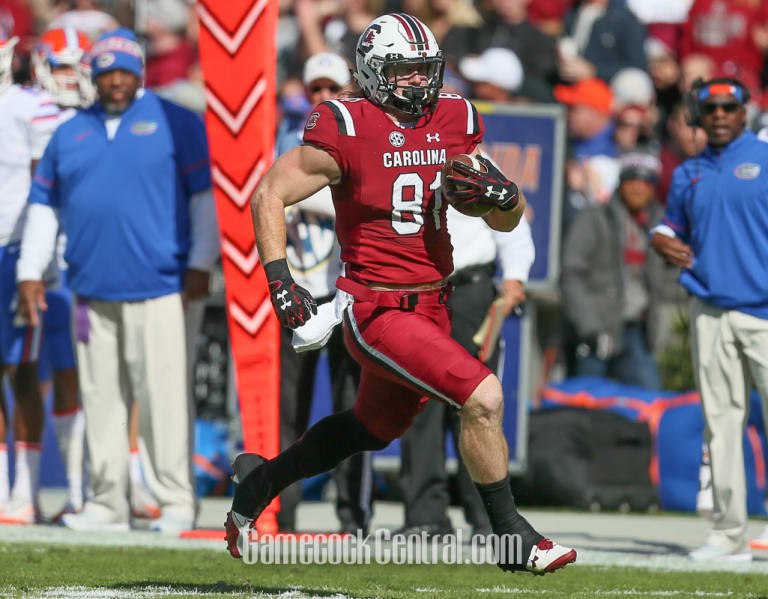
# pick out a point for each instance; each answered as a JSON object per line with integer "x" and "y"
{"x": 281, "y": 297}
{"x": 492, "y": 187}
{"x": 491, "y": 192}
{"x": 293, "y": 304}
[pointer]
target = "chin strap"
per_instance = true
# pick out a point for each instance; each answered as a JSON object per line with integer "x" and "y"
{"x": 413, "y": 101}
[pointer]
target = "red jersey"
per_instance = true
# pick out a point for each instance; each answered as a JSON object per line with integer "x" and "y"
{"x": 390, "y": 218}
{"x": 723, "y": 30}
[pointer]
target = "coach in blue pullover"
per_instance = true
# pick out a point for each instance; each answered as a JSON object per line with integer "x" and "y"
{"x": 129, "y": 181}
{"x": 716, "y": 228}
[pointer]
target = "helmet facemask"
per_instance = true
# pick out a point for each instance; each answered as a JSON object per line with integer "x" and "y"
{"x": 416, "y": 100}
{"x": 70, "y": 90}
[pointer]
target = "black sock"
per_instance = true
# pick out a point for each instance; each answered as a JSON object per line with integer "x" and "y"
{"x": 320, "y": 449}
{"x": 505, "y": 519}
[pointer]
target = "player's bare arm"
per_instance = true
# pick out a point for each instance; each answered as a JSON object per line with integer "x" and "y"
{"x": 506, "y": 221}
{"x": 295, "y": 175}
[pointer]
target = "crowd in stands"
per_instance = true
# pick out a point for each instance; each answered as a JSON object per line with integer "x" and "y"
{"x": 621, "y": 67}
{"x": 167, "y": 28}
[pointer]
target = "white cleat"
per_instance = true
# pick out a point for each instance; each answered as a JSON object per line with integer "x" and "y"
{"x": 238, "y": 528}
{"x": 709, "y": 553}
{"x": 19, "y": 512}
{"x": 760, "y": 542}
{"x": 143, "y": 503}
{"x": 548, "y": 556}
{"x": 90, "y": 520}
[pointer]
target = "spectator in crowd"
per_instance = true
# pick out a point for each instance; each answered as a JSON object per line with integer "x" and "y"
{"x": 27, "y": 118}
{"x": 341, "y": 33}
{"x": 507, "y": 26}
{"x": 635, "y": 109}
{"x": 665, "y": 73}
{"x": 590, "y": 117}
{"x": 685, "y": 141}
{"x": 396, "y": 323}
{"x": 660, "y": 12}
{"x": 693, "y": 67}
{"x": 591, "y": 170}
{"x": 549, "y": 15}
{"x": 86, "y": 16}
{"x": 495, "y": 75}
{"x": 171, "y": 58}
{"x": 715, "y": 228}
{"x": 423, "y": 475}
{"x": 17, "y": 20}
{"x": 314, "y": 261}
{"x": 602, "y": 37}
{"x": 610, "y": 281}
{"x": 444, "y": 17}
{"x": 734, "y": 34}
{"x": 131, "y": 254}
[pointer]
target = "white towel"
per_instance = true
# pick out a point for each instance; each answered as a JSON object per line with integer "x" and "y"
{"x": 315, "y": 333}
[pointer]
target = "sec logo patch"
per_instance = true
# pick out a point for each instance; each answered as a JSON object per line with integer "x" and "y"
{"x": 748, "y": 170}
{"x": 396, "y": 138}
{"x": 312, "y": 120}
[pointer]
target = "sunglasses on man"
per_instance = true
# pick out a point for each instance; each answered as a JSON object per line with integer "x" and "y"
{"x": 728, "y": 107}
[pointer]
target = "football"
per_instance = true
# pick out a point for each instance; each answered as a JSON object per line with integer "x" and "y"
{"x": 469, "y": 208}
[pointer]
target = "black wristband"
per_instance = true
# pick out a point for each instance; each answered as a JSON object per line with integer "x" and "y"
{"x": 277, "y": 269}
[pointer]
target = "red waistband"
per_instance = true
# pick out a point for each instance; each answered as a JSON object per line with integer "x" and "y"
{"x": 403, "y": 299}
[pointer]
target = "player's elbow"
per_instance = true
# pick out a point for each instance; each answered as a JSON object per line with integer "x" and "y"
{"x": 263, "y": 207}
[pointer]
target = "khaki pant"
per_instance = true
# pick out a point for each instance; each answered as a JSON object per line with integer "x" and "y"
{"x": 135, "y": 351}
{"x": 730, "y": 354}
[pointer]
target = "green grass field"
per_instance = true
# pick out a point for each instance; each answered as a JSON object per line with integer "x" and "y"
{"x": 53, "y": 571}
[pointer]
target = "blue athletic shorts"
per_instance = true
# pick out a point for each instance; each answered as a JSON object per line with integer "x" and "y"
{"x": 57, "y": 352}
{"x": 18, "y": 344}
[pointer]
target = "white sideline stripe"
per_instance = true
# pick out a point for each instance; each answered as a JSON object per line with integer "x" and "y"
{"x": 81, "y": 592}
{"x": 147, "y": 592}
{"x": 611, "y": 592}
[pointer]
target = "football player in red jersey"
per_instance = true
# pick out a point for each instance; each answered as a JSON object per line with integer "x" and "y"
{"x": 382, "y": 154}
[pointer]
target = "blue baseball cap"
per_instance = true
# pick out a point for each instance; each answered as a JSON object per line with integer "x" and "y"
{"x": 117, "y": 49}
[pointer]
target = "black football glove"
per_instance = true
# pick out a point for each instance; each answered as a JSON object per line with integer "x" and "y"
{"x": 293, "y": 304}
{"x": 489, "y": 188}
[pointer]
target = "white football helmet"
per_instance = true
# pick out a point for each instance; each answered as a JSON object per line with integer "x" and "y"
{"x": 7, "y": 44}
{"x": 58, "y": 48}
{"x": 393, "y": 41}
